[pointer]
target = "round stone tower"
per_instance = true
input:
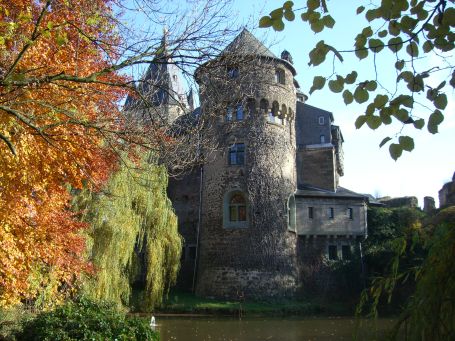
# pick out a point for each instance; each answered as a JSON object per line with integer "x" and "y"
{"x": 247, "y": 240}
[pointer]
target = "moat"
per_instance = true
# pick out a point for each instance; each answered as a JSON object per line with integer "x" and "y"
{"x": 280, "y": 328}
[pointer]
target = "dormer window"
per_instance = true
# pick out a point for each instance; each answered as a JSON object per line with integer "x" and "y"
{"x": 279, "y": 76}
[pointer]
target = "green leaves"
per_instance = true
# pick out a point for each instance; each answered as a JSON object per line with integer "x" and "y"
{"x": 405, "y": 143}
{"x": 275, "y": 18}
{"x": 336, "y": 85}
{"x": 409, "y": 29}
{"x": 384, "y": 141}
{"x": 440, "y": 101}
{"x": 319, "y": 53}
{"x": 434, "y": 121}
{"x": 395, "y": 151}
{"x": 318, "y": 84}
{"x": 376, "y": 45}
{"x": 361, "y": 95}
{"x": 265, "y": 21}
{"x": 347, "y": 97}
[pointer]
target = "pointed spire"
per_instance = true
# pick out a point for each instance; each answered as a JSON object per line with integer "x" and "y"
{"x": 164, "y": 41}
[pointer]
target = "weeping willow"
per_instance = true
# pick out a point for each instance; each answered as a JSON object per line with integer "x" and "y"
{"x": 133, "y": 239}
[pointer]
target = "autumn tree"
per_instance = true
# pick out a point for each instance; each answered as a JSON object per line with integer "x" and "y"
{"x": 61, "y": 123}
{"x": 400, "y": 36}
{"x": 49, "y": 125}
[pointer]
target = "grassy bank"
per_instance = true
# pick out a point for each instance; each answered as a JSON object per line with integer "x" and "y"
{"x": 186, "y": 303}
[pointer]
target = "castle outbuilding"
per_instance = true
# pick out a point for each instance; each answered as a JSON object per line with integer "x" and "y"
{"x": 264, "y": 214}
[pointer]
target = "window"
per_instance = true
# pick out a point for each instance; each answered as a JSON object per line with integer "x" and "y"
{"x": 350, "y": 213}
{"x": 292, "y": 218}
{"x": 310, "y": 213}
{"x": 333, "y": 252}
{"x": 237, "y": 154}
{"x": 322, "y": 138}
{"x": 174, "y": 77}
{"x": 279, "y": 76}
{"x": 346, "y": 252}
{"x": 330, "y": 213}
{"x": 321, "y": 120}
{"x": 229, "y": 114}
{"x": 235, "y": 209}
{"x": 239, "y": 115}
{"x": 233, "y": 72}
{"x": 263, "y": 105}
{"x": 271, "y": 117}
{"x": 251, "y": 106}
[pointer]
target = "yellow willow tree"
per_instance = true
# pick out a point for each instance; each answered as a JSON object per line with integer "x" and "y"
{"x": 133, "y": 236}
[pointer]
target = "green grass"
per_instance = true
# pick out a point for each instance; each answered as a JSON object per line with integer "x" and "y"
{"x": 185, "y": 303}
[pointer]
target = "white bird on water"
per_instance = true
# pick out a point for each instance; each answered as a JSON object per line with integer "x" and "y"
{"x": 152, "y": 323}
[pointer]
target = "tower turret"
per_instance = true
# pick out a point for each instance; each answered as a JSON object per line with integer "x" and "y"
{"x": 247, "y": 240}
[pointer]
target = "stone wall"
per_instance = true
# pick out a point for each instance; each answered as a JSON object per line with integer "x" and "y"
{"x": 399, "y": 202}
{"x": 318, "y": 276}
{"x": 184, "y": 194}
{"x": 316, "y": 165}
{"x": 321, "y": 224}
{"x": 447, "y": 193}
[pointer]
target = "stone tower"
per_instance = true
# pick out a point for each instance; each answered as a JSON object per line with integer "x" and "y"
{"x": 247, "y": 240}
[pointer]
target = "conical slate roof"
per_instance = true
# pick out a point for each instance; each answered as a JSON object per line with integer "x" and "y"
{"x": 247, "y": 44}
{"x": 162, "y": 83}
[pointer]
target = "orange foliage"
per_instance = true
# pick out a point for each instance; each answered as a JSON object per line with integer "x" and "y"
{"x": 57, "y": 109}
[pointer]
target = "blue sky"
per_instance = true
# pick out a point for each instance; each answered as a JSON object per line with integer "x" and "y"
{"x": 368, "y": 169}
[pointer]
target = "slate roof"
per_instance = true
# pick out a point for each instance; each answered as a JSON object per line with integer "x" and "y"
{"x": 247, "y": 44}
{"x": 161, "y": 82}
{"x": 341, "y": 192}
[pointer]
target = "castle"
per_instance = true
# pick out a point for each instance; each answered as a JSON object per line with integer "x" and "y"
{"x": 264, "y": 213}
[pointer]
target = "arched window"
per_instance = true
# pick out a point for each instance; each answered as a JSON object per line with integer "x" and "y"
{"x": 237, "y": 207}
{"x": 251, "y": 106}
{"x": 292, "y": 219}
{"x": 235, "y": 213}
{"x": 272, "y": 116}
{"x": 284, "y": 114}
{"x": 264, "y": 105}
{"x": 279, "y": 76}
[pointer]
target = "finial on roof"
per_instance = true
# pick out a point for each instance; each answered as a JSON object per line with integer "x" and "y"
{"x": 164, "y": 39}
{"x": 285, "y": 55}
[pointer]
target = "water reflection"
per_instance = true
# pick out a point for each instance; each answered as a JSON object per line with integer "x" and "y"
{"x": 282, "y": 329}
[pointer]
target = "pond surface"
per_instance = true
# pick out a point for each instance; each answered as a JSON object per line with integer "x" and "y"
{"x": 282, "y": 329}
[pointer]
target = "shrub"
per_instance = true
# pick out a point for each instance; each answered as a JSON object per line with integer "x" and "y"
{"x": 85, "y": 320}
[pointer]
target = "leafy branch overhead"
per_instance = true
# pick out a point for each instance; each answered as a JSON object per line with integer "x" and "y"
{"x": 402, "y": 33}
